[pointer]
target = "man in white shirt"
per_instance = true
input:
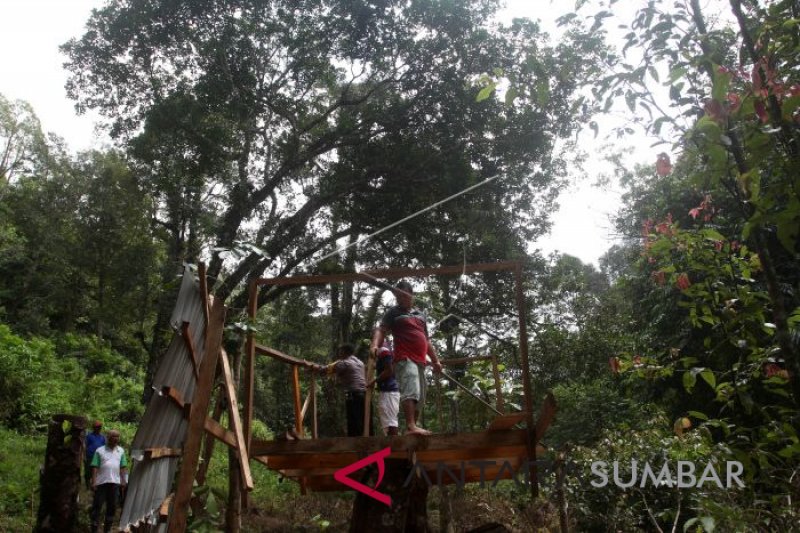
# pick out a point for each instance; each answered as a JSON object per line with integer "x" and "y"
{"x": 109, "y": 471}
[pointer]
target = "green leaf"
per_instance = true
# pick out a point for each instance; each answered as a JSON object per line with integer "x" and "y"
{"x": 708, "y": 377}
{"x": 689, "y": 380}
{"x": 486, "y": 92}
{"x": 698, "y": 415}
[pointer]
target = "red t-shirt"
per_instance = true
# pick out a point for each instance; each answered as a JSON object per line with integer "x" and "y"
{"x": 410, "y": 332}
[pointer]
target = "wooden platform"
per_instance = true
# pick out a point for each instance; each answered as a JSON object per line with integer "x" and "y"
{"x": 496, "y": 453}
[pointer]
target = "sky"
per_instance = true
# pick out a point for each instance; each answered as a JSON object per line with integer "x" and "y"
{"x": 32, "y": 30}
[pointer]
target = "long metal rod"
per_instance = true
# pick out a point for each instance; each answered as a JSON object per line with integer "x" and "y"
{"x": 462, "y": 387}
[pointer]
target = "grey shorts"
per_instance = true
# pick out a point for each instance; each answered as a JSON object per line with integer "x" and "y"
{"x": 411, "y": 380}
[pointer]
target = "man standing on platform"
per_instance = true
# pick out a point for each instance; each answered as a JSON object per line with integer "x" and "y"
{"x": 109, "y": 471}
{"x": 409, "y": 329}
{"x": 349, "y": 371}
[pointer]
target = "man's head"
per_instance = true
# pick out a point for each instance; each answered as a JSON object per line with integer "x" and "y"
{"x": 97, "y": 426}
{"x": 345, "y": 350}
{"x": 404, "y": 293}
{"x": 112, "y": 438}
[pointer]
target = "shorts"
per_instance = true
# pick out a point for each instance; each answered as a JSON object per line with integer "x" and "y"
{"x": 411, "y": 380}
{"x": 388, "y": 409}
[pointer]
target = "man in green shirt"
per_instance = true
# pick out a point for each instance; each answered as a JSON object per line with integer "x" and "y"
{"x": 109, "y": 471}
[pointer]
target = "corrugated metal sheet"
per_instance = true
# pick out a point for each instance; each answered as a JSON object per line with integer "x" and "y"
{"x": 163, "y": 424}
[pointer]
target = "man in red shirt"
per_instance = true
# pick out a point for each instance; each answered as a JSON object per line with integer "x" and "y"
{"x": 411, "y": 345}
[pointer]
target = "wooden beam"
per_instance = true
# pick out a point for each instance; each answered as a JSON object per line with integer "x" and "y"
{"x": 158, "y": 453}
{"x": 214, "y": 428}
{"x": 201, "y": 274}
{"x": 187, "y": 338}
{"x": 508, "y": 421}
{"x": 390, "y": 273}
{"x": 369, "y": 373}
{"x": 163, "y": 509}
{"x": 176, "y": 397}
{"x": 398, "y": 444}
{"x": 208, "y": 445}
{"x": 298, "y": 415}
{"x": 235, "y": 420}
{"x": 546, "y": 415}
{"x": 498, "y": 389}
{"x": 197, "y": 418}
{"x": 282, "y": 357}
{"x": 313, "y": 394}
{"x": 250, "y": 368}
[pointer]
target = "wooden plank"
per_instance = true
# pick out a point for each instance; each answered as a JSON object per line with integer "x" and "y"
{"x": 298, "y": 416}
{"x": 508, "y": 421}
{"x": 282, "y": 357}
{"x": 158, "y": 453}
{"x": 313, "y": 393}
{"x": 403, "y": 443}
{"x": 176, "y": 397}
{"x": 235, "y": 420}
{"x": 250, "y": 369}
{"x": 390, "y": 273}
{"x": 201, "y": 274}
{"x": 306, "y": 403}
{"x": 214, "y": 428}
{"x": 464, "y": 360}
{"x": 187, "y": 338}
{"x": 546, "y": 415}
{"x": 197, "y": 419}
{"x": 208, "y": 445}
{"x": 163, "y": 509}
{"x": 498, "y": 389}
{"x": 369, "y": 374}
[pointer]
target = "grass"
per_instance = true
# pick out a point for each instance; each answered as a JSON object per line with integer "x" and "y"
{"x": 21, "y": 456}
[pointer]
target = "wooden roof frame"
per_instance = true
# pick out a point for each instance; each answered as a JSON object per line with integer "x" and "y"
{"x": 392, "y": 274}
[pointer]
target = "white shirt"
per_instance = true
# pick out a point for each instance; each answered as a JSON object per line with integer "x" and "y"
{"x": 108, "y": 463}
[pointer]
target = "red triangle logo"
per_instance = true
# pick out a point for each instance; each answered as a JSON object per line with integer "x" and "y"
{"x": 377, "y": 457}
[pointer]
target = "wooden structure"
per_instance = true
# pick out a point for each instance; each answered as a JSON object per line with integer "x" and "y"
{"x": 499, "y": 452}
{"x": 312, "y": 462}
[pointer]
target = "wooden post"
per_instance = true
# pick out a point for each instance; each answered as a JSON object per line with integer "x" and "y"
{"x": 497, "y": 387}
{"x": 298, "y": 412}
{"x": 313, "y": 393}
{"x": 526, "y": 376}
{"x": 249, "y": 366}
{"x": 235, "y": 421}
{"x": 370, "y": 371}
{"x": 197, "y": 418}
{"x": 208, "y": 446}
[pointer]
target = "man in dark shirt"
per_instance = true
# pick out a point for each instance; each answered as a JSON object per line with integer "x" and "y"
{"x": 349, "y": 371}
{"x": 94, "y": 440}
{"x": 388, "y": 391}
{"x": 411, "y": 346}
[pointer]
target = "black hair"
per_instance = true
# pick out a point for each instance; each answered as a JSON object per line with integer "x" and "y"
{"x": 347, "y": 349}
{"x": 404, "y": 286}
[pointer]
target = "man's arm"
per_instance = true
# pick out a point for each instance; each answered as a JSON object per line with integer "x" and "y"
{"x": 123, "y": 470}
{"x": 378, "y": 336}
{"x": 95, "y": 466}
{"x": 437, "y": 365}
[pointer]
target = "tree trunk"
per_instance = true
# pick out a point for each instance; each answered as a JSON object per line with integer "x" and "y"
{"x": 60, "y": 479}
{"x": 408, "y": 512}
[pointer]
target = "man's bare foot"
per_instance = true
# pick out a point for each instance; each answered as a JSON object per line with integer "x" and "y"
{"x": 416, "y": 430}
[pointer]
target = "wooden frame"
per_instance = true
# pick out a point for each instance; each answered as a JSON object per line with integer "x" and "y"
{"x": 375, "y": 276}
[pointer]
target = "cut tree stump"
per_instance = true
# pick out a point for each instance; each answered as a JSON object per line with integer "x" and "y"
{"x": 60, "y": 479}
{"x": 408, "y": 513}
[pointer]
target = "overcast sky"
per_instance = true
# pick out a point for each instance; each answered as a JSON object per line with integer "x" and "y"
{"x": 32, "y": 30}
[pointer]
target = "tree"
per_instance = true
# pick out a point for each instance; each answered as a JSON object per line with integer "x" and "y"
{"x": 294, "y": 127}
